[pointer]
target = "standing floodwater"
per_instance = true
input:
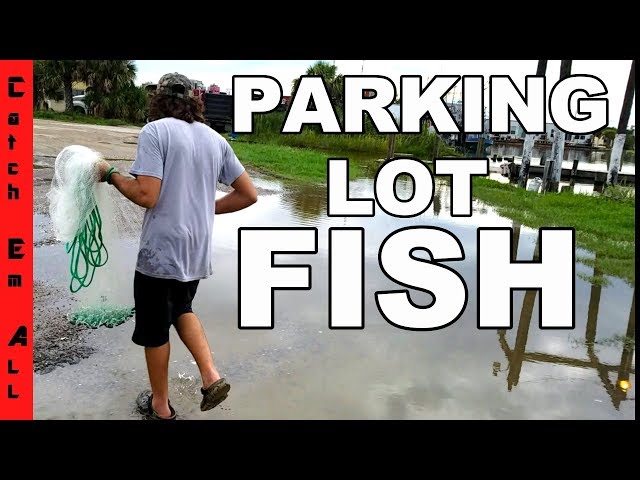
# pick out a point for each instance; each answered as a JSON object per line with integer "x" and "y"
{"x": 302, "y": 369}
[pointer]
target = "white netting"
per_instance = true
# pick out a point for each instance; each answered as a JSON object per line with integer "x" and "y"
{"x": 72, "y": 196}
{"x": 83, "y": 213}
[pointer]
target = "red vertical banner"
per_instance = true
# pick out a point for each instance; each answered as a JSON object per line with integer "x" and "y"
{"x": 16, "y": 239}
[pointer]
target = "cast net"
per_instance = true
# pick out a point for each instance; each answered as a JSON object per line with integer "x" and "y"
{"x": 82, "y": 213}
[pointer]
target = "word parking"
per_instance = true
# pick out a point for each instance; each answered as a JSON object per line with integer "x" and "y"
{"x": 577, "y": 104}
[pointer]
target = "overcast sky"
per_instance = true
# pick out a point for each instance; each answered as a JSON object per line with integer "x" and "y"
{"x": 614, "y": 73}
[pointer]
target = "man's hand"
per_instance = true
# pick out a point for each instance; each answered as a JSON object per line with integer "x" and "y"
{"x": 103, "y": 168}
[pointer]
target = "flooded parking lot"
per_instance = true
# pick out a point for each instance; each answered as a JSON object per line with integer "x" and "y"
{"x": 303, "y": 370}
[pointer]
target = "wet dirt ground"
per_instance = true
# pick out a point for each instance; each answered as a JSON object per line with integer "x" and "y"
{"x": 303, "y": 370}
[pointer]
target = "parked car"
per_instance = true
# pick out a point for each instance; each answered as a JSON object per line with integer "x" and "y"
{"x": 79, "y": 106}
{"x": 59, "y": 106}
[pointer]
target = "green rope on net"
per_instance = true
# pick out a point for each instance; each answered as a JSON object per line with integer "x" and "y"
{"x": 88, "y": 247}
{"x": 104, "y": 315}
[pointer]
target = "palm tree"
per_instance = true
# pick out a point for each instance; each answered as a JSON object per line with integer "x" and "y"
{"x": 44, "y": 85}
{"x": 104, "y": 76}
{"x": 60, "y": 73}
{"x": 104, "y": 79}
{"x": 333, "y": 80}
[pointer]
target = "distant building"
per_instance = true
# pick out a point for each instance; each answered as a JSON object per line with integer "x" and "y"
{"x": 456, "y": 111}
{"x": 516, "y": 132}
{"x": 581, "y": 139}
{"x": 197, "y": 84}
{"x": 570, "y": 139}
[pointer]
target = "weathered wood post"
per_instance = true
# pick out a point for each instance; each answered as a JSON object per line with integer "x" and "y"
{"x": 557, "y": 150}
{"x": 513, "y": 172}
{"x": 574, "y": 172}
{"x": 437, "y": 202}
{"x": 391, "y": 148}
{"x": 529, "y": 139}
{"x": 480, "y": 146}
{"x": 546, "y": 174}
{"x": 516, "y": 241}
{"x": 621, "y": 136}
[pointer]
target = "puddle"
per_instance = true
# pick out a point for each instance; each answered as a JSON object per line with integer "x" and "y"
{"x": 303, "y": 370}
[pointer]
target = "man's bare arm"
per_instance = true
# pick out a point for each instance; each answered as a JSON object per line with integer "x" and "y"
{"x": 243, "y": 195}
{"x": 141, "y": 190}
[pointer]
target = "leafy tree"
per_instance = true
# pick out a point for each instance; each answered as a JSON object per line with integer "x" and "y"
{"x": 609, "y": 134}
{"x": 630, "y": 141}
{"x": 126, "y": 102}
{"x": 44, "y": 84}
{"x": 333, "y": 80}
{"x": 55, "y": 74}
{"x": 108, "y": 81}
{"x": 103, "y": 77}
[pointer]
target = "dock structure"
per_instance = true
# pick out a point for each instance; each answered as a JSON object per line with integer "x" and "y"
{"x": 592, "y": 173}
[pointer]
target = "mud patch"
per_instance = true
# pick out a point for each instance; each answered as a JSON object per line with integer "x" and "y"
{"x": 56, "y": 341}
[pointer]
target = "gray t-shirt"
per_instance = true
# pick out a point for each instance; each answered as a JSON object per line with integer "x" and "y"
{"x": 190, "y": 159}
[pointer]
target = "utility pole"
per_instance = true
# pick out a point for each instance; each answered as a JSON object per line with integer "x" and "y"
{"x": 557, "y": 149}
{"x": 621, "y": 136}
{"x": 529, "y": 139}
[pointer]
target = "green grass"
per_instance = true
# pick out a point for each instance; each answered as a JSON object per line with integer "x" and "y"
{"x": 605, "y": 226}
{"x": 288, "y": 162}
{"x": 80, "y": 118}
{"x": 425, "y": 145}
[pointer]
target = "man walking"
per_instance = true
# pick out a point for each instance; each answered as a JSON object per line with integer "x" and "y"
{"x": 179, "y": 162}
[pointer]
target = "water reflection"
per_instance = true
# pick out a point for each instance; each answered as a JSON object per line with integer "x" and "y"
{"x": 307, "y": 202}
{"x": 616, "y": 389}
{"x": 306, "y": 370}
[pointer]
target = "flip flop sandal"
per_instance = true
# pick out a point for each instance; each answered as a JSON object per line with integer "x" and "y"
{"x": 143, "y": 402}
{"x": 214, "y": 395}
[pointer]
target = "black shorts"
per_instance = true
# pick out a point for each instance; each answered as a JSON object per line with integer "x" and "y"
{"x": 158, "y": 304}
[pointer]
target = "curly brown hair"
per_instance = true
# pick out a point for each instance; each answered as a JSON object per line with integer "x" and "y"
{"x": 188, "y": 109}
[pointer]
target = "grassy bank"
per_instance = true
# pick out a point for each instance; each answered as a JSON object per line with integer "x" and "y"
{"x": 604, "y": 225}
{"x": 288, "y": 162}
{"x": 425, "y": 145}
{"x": 80, "y": 118}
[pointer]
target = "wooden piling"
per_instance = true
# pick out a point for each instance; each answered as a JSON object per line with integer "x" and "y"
{"x": 598, "y": 186}
{"x": 574, "y": 171}
{"x": 515, "y": 242}
{"x": 557, "y": 150}
{"x": 391, "y": 146}
{"x": 480, "y": 147}
{"x": 621, "y": 136}
{"x": 548, "y": 165}
{"x": 529, "y": 139}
